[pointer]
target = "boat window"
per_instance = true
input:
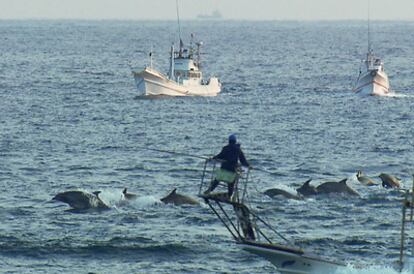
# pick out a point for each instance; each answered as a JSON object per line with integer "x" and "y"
{"x": 194, "y": 74}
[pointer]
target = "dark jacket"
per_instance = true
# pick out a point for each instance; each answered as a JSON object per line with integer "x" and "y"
{"x": 230, "y": 155}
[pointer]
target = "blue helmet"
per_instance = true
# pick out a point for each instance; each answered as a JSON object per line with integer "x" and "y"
{"x": 232, "y": 138}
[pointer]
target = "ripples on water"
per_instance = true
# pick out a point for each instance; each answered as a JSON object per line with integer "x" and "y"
{"x": 70, "y": 119}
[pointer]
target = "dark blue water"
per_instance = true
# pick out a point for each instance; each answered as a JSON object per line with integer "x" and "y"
{"x": 70, "y": 119}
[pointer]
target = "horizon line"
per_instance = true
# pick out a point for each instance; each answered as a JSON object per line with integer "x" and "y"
{"x": 198, "y": 20}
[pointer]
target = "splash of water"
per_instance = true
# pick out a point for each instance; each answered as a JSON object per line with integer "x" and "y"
{"x": 399, "y": 95}
{"x": 115, "y": 198}
{"x": 111, "y": 197}
{"x": 373, "y": 269}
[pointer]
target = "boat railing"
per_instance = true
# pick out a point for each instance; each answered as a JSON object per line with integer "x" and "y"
{"x": 245, "y": 225}
{"x": 210, "y": 174}
{"x": 407, "y": 218}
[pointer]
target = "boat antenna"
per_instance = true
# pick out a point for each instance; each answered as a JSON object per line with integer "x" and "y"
{"x": 369, "y": 28}
{"x": 178, "y": 20}
{"x": 150, "y": 56}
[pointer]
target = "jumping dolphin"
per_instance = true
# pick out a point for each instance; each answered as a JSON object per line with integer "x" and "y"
{"x": 81, "y": 200}
{"x": 273, "y": 192}
{"x": 306, "y": 189}
{"x": 178, "y": 199}
{"x": 365, "y": 180}
{"x": 336, "y": 187}
{"x": 389, "y": 181}
{"x": 128, "y": 195}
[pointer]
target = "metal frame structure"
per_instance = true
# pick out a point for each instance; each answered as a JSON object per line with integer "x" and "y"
{"x": 408, "y": 203}
{"x": 245, "y": 227}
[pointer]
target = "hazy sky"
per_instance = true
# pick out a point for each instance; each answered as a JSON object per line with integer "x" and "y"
{"x": 230, "y": 9}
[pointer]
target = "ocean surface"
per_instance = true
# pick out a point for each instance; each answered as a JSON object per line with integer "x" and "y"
{"x": 70, "y": 119}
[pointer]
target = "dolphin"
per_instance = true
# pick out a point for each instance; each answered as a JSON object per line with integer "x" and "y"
{"x": 389, "y": 181}
{"x": 336, "y": 187}
{"x": 365, "y": 180}
{"x": 273, "y": 192}
{"x": 128, "y": 195}
{"x": 81, "y": 200}
{"x": 306, "y": 189}
{"x": 178, "y": 199}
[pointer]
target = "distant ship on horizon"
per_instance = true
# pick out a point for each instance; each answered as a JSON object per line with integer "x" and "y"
{"x": 215, "y": 15}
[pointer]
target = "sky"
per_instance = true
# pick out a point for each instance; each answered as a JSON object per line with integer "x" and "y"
{"x": 189, "y": 9}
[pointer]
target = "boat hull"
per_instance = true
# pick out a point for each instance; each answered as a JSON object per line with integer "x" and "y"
{"x": 152, "y": 83}
{"x": 292, "y": 262}
{"x": 373, "y": 83}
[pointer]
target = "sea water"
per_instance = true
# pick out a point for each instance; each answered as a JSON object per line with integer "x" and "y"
{"x": 70, "y": 119}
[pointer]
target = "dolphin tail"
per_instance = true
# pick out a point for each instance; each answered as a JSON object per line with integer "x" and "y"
{"x": 124, "y": 191}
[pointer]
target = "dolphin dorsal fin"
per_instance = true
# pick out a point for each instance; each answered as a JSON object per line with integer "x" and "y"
{"x": 343, "y": 181}
{"x": 124, "y": 191}
{"x": 96, "y": 193}
{"x": 169, "y": 194}
{"x": 307, "y": 182}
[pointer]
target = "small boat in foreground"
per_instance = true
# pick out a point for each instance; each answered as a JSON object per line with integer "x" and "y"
{"x": 254, "y": 235}
{"x": 184, "y": 78}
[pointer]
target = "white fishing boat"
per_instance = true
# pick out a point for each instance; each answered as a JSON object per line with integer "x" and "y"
{"x": 255, "y": 235}
{"x": 372, "y": 79}
{"x": 183, "y": 79}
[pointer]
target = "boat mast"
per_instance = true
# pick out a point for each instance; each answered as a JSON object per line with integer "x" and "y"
{"x": 150, "y": 56}
{"x": 179, "y": 29}
{"x": 199, "y": 44}
{"x": 172, "y": 63}
{"x": 369, "y": 29}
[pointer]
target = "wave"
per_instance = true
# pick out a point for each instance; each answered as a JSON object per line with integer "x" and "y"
{"x": 397, "y": 94}
{"x": 117, "y": 247}
{"x": 372, "y": 269}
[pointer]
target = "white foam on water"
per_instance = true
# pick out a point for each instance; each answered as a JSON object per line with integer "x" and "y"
{"x": 111, "y": 197}
{"x": 372, "y": 269}
{"x": 115, "y": 198}
{"x": 145, "y": 201}
{"x": 399, "y": 95}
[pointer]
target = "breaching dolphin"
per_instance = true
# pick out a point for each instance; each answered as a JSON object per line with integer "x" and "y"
{"x": 178, "y": 199}
{"x": 274, "y": 192}
{"x": 81, "y": 200}
{"x": 306, "y": 189}
{"x": 336, "y": 187}
{"x": 389, "y": 181}
{"x": 365, "y": 180}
